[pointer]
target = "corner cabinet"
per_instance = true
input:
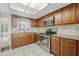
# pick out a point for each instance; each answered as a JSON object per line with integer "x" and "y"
{"x": 34, "y": 23}
{"x": 59, "y": 17}
{"x": 69, "y": 14}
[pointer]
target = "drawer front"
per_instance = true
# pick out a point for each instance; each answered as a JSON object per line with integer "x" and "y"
{"x": 55, "y": 37}
{"x": 69, "y": 41}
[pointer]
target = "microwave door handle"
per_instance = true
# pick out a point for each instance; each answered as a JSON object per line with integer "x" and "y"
{"x": 53, "y": 20}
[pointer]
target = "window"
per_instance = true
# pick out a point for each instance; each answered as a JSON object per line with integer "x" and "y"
{"x": 3, "y": 28}
{"x": 24, "y": 25}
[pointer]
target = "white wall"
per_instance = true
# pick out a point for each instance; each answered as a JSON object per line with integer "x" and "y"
{"x": 5, "y": 12}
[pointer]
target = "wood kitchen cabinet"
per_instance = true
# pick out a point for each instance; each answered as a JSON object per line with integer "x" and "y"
{"x": 69, "y": 14}
{"x": 77, "y": 12}
{"x": 14, "y": 21}
{"x": 68, "y": 47}
{"x": 22, "y": 39}
{"x": 14, "y": 39}
{"x": 77, "y": 48}
{"x": 58, "y": 17}
{"x": 30, "y": 38}
{"x": 55, "y": 45}
{"x": 37, "y": 37}
{"x": 64, "y": 46}
{"x": 34, "y": 23}
{"x": 40, "y": 23}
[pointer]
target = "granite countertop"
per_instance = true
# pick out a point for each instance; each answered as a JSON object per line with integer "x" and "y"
{"x": 67, "y": 36}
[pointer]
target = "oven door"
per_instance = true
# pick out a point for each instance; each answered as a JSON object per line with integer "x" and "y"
{"x": 45, "y": 40}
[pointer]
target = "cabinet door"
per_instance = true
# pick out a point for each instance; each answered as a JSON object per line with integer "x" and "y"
{"x": 13, "y": 41}
{"x": 77, "y": 12}
{"x": 13, "y": 21}
{"x": 78, "y": 48}
{"x": 68, "y": 47}
{"x": 34, "y": 23}
{"x": 37, "y": 37}
{"x": 68, "y": 50}
{"x": 40, "y": 23}
{"x": 55, "y": 45}
{"x": 59, "y": 17}
{"x": 29, "y": 38}
{"x": 19, "y": 41}
{"x": 69, "y": 14}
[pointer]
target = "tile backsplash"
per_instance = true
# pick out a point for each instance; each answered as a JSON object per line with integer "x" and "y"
{"x": 69, "y": 30}
{"x": 72, "y": 29}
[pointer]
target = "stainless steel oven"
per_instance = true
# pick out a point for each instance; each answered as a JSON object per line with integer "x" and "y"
{"x": 45, "y": 39}
{"x": 44, "y": 42}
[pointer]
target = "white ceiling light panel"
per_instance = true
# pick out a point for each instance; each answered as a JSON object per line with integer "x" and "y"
{"x": 17, "y": 6}
{"x": 31, "y": 11}
{"x": 29, "y": 8}
{"x": 38, "y": 6}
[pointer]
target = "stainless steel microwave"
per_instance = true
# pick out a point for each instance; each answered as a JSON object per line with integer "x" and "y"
{"x": 48, "y": 22}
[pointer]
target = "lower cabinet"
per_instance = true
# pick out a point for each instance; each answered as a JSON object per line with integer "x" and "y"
{"x": 14, "y": 41}
{"x": 55, "y": 45}
{"x": 22, "y": 39}
{"x": 68, "y": 50}
{"x": 68, "y": 47}
{"x": 37, "y": 37}
{"x": 64, "y": 46}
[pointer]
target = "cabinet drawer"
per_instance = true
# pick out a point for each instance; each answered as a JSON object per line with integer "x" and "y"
{"x": 55, "y": 37}
{"x": 69, "y": 41}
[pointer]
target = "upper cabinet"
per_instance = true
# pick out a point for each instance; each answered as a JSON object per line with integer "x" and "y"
{"x": 58, "y": 17}
{"x": 14, "y": 21}
{"x": 77, "y": 12}
{"x": 46, "y": 20}
{"x": 40, "y": 23}
{"x": 69, "y": 14}
{"x": 34, "y": 23}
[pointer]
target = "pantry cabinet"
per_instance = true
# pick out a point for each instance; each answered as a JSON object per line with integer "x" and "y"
{"x": 58, "y": 17}
{"x": 69, "y": 14}
{"x": 55, "y": 45}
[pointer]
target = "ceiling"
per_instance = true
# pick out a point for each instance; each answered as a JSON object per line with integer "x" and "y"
{"x": 48, "y": 8}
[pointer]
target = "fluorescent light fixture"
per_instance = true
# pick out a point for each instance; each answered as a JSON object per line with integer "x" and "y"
{"x": 29, "y": 8}
{"x": 38, "y": 6}
{"x": 31, "y": 11}
{"x": 25, "y": 3}
{"x": 17, "y": 6}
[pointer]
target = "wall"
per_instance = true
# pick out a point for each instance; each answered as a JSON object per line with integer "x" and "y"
{"x": 5, "y": 12}
{"x": 72, "y": 29}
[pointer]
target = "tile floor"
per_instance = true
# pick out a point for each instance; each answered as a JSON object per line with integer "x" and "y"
{"x": 28, "y": 50}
